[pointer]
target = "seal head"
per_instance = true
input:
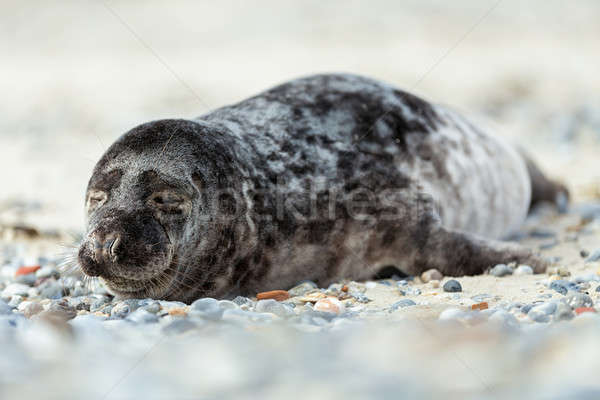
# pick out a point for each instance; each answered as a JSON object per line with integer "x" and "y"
{"x": 146, "y": 203}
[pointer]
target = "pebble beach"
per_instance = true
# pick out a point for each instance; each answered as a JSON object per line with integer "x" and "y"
{"x": 80, "y": 74}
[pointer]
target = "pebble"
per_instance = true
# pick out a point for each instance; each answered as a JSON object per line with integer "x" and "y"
{"x": 584, "y": 253}
{"x": 279, "y": 295}
{"x": 410, "y": 291}
{"x": 523, "y": 270}
{"x": 431, "y": 274}
{"x": 452, "y": 286}
{"x": 120, "y": 310}
{"x": 501, "y": 270}
{"x": 30, "y": 308}
{"x": 47, "y": 272}
{"x": 152, "y": 307}
{"x": 402, "y": 303}
{"x": 581, "y": 310}
{"x": 302, "y": 288}
{"x": 273, "y": 307}
{"x": 577, "y": 300}
{"x": 594, "y": 257}
{"x": 563, "y": 312}
{"x": 207, "y": 308}
{"x": 542, "y": 312}
{"x": 15, "y": 289}
{"x": 330, "y": 304}
{"x": 504, "y": 319}
{"x": 142, "y": 316}
{"x": 562, "y": 286}
{"x": 480, "y": 306}
{"x": 560, "y": 271}
{"x": 451, "y": 314}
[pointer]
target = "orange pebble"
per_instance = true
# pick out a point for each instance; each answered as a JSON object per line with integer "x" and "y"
{"x": 177, "y": 312}
{"x": 27, "y": 270}
{"x": 345, "y": 288}
{"x": 480, "y": 306}
{"x": 580, "y": 310}
{"x": 278, "y": 295}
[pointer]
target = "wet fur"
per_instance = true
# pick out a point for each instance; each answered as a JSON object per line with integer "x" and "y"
{"x": 269, "y": 181}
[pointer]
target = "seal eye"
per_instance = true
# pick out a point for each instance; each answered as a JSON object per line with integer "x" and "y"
{"x": 168, "y": 202}
{"x": 96, "y": 198}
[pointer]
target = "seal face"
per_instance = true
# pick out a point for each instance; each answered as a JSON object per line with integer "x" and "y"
{"x": 322, "y": 178}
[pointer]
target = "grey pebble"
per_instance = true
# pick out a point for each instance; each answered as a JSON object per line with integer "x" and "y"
{"x": 598, "y": 288}
{"x": 206, "y": 308}
{"x": 227, "y": 305}
{"x": 523, "y": 270}
{"x": 15, "y": 300}
{"x": 47, "y": 272}
{"x": 141, "y": 316}
{"x": 402, "y": 303}
{"x": 410, "y": 291}
{"x": 594, "y": 257}
{"x": 13, "y": 289}
{"x": 302, "y": 288}
{"x": 478, "y": 298}
{"x": 152, "y": 307}
{"x": 501, "y": 270}
{"x": 51, "y": 289}
{"x": 548, "y": 245}
{"x": 563, "y": 312}
{"x": 452, "y": 286}
{"x": 120, "y": 310}
{"x": 542, "y": 312}
{"x": 562, "y": 286}
{"x": 542, "y": 233}
{"x": 576, "y": 300}
{"x": 584, "y": 253}
{"x": 273, "y": 307}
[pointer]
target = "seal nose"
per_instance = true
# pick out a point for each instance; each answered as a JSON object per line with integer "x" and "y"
{"x": 105, "y": 249}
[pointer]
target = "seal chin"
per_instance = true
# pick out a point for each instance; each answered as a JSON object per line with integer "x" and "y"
{"x": 155, "y": 285}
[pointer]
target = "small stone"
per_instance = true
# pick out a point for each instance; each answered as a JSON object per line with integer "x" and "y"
{"x": 451, "y": 314}
{"x": 542, "y": 233}
{"x": 141, "y": 316}
{"x": 584, "y": 253}
{"x": 434, "y": 283}
{"x": 120, "y": 310}
{"x": 410, "y": 291}
{"x": 302, "y": 288}
{"x": 153, "y": 307}
{"x": 15, "y": 301}
{"x": 523, "y": 270}
{"x": 330, "y": 304}
{"x": 577, "y": 300}
{"x": 581, "y": 310}
{"x": 431, "y": 274}
{"x": 542, "y": 312}
{"x": 207, "y": 308}
{"x": 47, "y": 272}
{"x": 402, "y": 303}
{"x": 241, "y": 301}
{"x": 30, "y": 308}
{"x": 312, "y": 297}
{"x": 562, "y": 286}
{"x": 51, "y": 289}
{"x": 15, "y": 289}
{"x": 27, "y": 270}
{"x": 177, "y": 312}
{"x": 279, "y": 295}
{"x": 345, "y": 288}
{"x": 452, "y": 286}
{"x": 594, "y": 257}
{"x": 563, "y": 312}
{"x": 598, "y": 288}
{"x": 560, "y": 271}
{"x": 480, "y": 306}
{"x": 227, "y": 305}
{"x": 273, "y": 307}
{"x": 501, "y": 270}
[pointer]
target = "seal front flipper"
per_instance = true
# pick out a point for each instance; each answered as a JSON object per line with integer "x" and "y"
{"x": 456, "y": 253}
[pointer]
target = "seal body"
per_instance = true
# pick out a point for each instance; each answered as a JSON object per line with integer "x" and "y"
{"x": 322, "y": 178}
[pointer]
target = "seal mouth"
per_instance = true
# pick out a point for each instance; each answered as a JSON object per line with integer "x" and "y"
{"x": 154, "y": 286}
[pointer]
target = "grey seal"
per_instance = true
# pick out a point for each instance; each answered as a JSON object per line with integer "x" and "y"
{"x": 326, "y": 177}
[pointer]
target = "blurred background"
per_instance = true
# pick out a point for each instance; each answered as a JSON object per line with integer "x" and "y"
{"x": 75, "y": 75}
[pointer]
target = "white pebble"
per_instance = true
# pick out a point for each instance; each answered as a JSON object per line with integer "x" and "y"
{"x": 523, "y": 270}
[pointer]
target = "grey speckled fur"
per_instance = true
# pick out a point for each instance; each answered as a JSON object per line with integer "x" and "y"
{"x": 323, "y": 178}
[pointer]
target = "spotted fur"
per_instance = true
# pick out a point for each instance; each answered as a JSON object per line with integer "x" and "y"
{"x": 323, "y": 178}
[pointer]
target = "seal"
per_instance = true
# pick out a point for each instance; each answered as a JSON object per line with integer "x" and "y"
{"x": 327, "y": 177}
